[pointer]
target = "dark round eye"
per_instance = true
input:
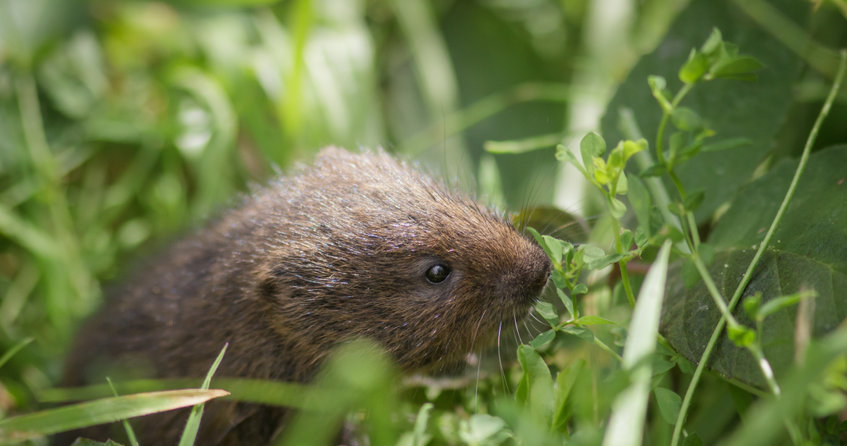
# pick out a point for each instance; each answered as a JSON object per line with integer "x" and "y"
{"x": 437, "y": 273}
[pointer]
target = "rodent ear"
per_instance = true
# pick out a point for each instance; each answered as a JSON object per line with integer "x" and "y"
{"x": 269, "y": 285}
{"x": 268, "y": 288}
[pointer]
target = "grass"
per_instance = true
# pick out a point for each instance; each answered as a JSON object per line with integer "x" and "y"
{"x": 124, "y": 124}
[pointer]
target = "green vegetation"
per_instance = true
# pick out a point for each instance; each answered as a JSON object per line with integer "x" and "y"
{"x": 719, "y": 163}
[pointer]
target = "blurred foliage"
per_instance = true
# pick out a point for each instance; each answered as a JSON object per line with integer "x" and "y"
{"x": 123, "y": 123}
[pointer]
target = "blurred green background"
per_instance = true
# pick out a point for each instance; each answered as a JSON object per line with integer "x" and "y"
{"x": 123, "y": 123}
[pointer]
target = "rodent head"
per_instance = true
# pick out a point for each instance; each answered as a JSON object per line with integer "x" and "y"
{"x": 363, "y": 245}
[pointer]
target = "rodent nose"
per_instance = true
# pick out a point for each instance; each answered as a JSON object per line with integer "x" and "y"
{"x": 527, "y": 277}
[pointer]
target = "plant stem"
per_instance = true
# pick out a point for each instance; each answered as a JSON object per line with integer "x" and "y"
{"x": 607, "y": 349}
{"x": 704, "y": 359}
{"x": 616, "y": 229}
{"x": 666, "y": 114}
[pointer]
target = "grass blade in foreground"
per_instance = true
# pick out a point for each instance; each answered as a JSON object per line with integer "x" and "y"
{"x": 101, "y": 411}
{"x": 189, "y": 434}
{"x": 627, "y": 421}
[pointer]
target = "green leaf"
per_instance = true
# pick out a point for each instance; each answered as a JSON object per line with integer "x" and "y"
{"x": 591, "y": 146}
{"x": 535, "y": 389}
{"x": 618, "y": 209}
{"x": 808, "y": 253}
{"x": 693, "y": 200}
{"x": 694, "y": 69}
{"x": 566, "y": 301}
{"x": 752, "y": 304}
{"x": 658, "y": 87}
{"x": 419, "y": 436}
{"x": 548, "y": 312}
{"x": 543, "y": 339}
{"x": 713, "y": 43}
{"x": 580, "y": 332}
{"x": 779, "y": 303}
{"x": 686, "y": 119}
{"x": 741, "y": 336}
{"x": 653, "y": 171}
{"x": 630, "y": 148}
{"x": 669, "y": 403}
{"x": 758, "y": 112}
{"x": 602, "y": 172}
{"x": 565, "y": 381}
{"x": 106, "y": 410}
{"x": 740, "y": 68}
{"x": 594, "y": 320}
{"x": 483, "y": 429}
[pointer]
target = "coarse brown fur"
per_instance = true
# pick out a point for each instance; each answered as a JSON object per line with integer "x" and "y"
{"x": 338, "y": 251}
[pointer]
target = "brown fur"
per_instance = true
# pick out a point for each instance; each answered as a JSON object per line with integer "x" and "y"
{"x": 338, "y": 251}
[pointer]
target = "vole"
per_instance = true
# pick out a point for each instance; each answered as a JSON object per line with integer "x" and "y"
{"x": 357, "y": 245}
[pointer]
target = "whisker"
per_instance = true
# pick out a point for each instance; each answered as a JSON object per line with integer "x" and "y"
{"x": 476, "y": 388}
{"x": 517, "y": 330}
{"x": 500, "y": 358}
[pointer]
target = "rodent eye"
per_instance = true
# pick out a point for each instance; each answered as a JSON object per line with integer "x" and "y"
{"x": 437, "y": 273}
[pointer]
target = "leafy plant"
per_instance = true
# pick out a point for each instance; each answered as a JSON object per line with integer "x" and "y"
{"x": 123, "y": 121}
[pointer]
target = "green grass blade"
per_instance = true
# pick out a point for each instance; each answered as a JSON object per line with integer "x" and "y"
{"x": 627, "y": 420}
{"x": 189, "y": 434}
{"x": 101, "y": 411}
{"x": 11, "y": 352}
{"x": 130, "y": 434}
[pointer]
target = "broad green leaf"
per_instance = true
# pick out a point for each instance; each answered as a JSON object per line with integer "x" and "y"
{"x": 757, "y": 112}
{"x": 808, "y": 252}
{"x": 101, "y": 411}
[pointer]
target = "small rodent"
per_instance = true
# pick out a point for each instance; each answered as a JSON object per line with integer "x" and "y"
{"x": 358, "y": 245}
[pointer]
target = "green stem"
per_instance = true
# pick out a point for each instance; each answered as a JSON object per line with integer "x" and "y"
{"x": 704, "y": 359}
{"x": 620, "y": 249}
{"x": 695, "y": 234}
{"x": 627, "y": 286}
{"x": 607, "y": 349}
{"x": 713, "y": 290}
{"x": 666, "y": 114}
